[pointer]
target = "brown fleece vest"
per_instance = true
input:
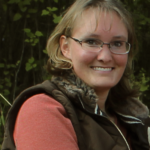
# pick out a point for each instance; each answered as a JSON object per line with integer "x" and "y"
{"x": 93, "y": 132}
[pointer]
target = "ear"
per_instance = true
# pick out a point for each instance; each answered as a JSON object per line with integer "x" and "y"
{"x": 64, "y": 47}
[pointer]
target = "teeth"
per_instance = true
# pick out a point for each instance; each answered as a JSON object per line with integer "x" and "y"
{"x": 102, "y": 69}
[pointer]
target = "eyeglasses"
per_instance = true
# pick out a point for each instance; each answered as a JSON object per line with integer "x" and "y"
{"x": 96, "y": 45}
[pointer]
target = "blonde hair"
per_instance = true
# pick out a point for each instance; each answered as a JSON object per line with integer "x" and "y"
{"x": 58, "y": 64}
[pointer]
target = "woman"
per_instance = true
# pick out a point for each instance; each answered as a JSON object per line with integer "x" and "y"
{"x": 88, "y": 104}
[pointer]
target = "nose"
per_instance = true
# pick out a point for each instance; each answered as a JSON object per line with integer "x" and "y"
{"x": 105, "y": 54}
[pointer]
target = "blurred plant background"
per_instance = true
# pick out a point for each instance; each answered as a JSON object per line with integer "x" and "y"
{"x": 25, "y": 26}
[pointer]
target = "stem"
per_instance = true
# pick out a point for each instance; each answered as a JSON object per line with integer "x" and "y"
{"x": 21, "y": 58}
{"x": 5, "y": 99}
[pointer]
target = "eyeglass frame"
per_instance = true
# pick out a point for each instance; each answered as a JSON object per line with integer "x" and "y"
{"x": 80, "y": 42}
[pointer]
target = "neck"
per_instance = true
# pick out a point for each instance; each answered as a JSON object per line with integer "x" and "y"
{"x": 102, "y": 100}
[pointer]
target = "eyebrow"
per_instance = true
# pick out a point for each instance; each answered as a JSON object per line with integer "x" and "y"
{"x": 120, "y": 37}
{"x": 93, "y": 35}
{"x": 115, "y": 37}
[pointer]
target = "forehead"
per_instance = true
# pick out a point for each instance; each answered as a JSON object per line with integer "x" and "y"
{"x": 95, "y": 20}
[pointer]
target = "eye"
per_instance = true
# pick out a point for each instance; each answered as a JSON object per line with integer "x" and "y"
{"x": 117, "y": 44}
{"x": 92, "y": 42}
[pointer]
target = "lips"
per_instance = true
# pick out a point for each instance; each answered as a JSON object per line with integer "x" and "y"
{"x": 103, "y": 68}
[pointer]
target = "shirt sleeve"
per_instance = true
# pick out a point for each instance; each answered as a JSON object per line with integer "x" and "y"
{"x": 42, "y": 124}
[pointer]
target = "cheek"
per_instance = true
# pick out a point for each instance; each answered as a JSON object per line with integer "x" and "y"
{"x": 82, "y": 57}
{"x": 121, "y": 60}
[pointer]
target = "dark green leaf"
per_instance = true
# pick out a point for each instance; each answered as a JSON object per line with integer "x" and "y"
{"x": 11, "y": 1}
{"x": 44, "y": 51}
{"x": 17, "y": 16}
{"x": 52, "y": 9}
{"x": 45, "y": 12}
{"x": 38, "y": 33}
{"x": 28, "y": 67}
{"x": 27, "y": 40}
{"x": 2, "y": 65}
{"x": 4, "y": 7}
{"x": 32, "y": 11}
{"x": 56, "y": 1}
{"x": 34, "y": 65}
{"x": 6, "y": 72}
{"x": 27, "y": 30}
{"x": 56, "y": 18}
{"x": 31, "y": 60}
{"x": 6, "y": 92}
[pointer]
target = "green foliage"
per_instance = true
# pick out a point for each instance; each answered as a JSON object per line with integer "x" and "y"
{"x": 45, "y": 51}
{"x": 142, "y": 81}
{"x": 31, "y": 64}
{"x": 56, "y": 18}
{"x": 4, "y": 103}
{"x": 33, "y": 38}
{"x": 49, "y": 11}
{"x": 17, "y": 16}
{"x": 24, "y": 27}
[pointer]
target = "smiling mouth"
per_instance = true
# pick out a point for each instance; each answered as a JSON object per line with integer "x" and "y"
{"x": 102, "y": 69}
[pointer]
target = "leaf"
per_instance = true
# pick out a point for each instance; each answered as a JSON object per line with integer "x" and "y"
{"x": 8, "y": 66}
{"x": 1, "y": 87}
{"x": 6, "y": 80}
{"x": 52, "y": 9}
{"x": 44, "y": 51}
{"x": 11, "y": 1}
{"x": 17, "y": 16}
{"x": 36, "y": 41}
{"x": 31, "y": 40}
{"x": 6, "y": 72}
{"x": 6, "y": 92}
{"x": 27, "y": 30}
{"x": 8, "y": 84}
{"x": 4, "y": 7}
{"x": 2, "y": 65}
{"x": 18, "y": 62}
{"x": 13, "y": 66}
{"x": 23, "y": 9}
{"x": 45, "y": 12}
{"x": 27, "y": 40}
{"x": 56, "y": 18}
{"x": 143, "y": 22}
{"x": 56, "y": 1}
{"x": 144, "y": 88}
{"x": 38, "y": 33}
{"x": 28, "y": 67}
{"x": 26, "y": 2}
{"x": 31, "y": 35}
{"x": 2, "y": 118}
{"x": 28, "y": 16}
{"x": 31, "y": 60}
{"x": 32, "y": 11}
{"x": 34, "y": 65}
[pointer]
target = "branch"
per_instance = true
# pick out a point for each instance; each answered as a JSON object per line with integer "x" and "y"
{"x": 21, "y": 58}
{"x": 5, "y": 100}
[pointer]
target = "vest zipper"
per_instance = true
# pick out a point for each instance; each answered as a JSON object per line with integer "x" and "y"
{"x": 120, "y": 133}
{"x": 110, "y": 121}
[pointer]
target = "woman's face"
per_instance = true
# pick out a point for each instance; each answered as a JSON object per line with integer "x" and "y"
{"x": 101, "y": 70}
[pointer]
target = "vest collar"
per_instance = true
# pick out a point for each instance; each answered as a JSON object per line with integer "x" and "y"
{"x": 80, "y": 93}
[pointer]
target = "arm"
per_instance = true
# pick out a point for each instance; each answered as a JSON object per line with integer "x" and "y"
{"x": 42, "y": 123}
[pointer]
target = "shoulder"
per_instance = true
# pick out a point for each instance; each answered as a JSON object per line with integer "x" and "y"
{"x": 40, "y": 103}
{"x": 42, "y": 122}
